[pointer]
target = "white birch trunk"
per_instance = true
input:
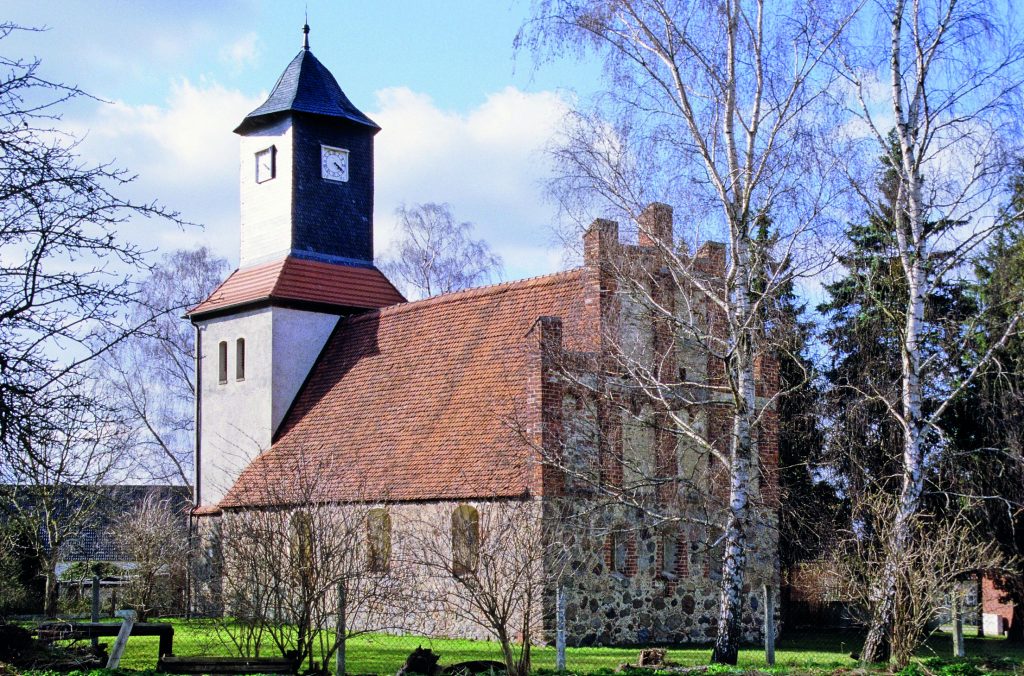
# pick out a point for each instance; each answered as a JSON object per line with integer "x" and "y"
{"x": 910, "y": 223}
{"x": 741, "y": 372}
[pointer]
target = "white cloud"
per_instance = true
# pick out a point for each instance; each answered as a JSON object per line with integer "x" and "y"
{"x": 486, "y": 163}
{"x": 242, "y": 52}
{"x": 184, "y": 155}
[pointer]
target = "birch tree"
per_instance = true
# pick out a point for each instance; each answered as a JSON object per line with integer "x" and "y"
{"x": 716, "y": 108}
{"x": 150, "y": 375}
{"x": 437, "y": 254}
{"x": 952, "y": 73}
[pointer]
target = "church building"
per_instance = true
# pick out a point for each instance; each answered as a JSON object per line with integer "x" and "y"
{"x": 308, "y": 356}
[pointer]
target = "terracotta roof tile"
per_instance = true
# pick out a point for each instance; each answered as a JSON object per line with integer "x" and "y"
{"x": 416, "y": 401}
{"x": 297, "y": 279}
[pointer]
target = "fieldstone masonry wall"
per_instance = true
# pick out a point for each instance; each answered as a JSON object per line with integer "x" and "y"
{"x": 643, "y": 602}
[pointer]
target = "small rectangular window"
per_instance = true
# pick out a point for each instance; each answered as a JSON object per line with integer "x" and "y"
{"x": 222, "y": 362}
{"x": 240, "y": 359}
{"x": 266, "y": 164}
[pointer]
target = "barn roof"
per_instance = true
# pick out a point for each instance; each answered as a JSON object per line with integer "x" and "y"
{"x": 418, "y": 401}
{"x": 301, "y": 281}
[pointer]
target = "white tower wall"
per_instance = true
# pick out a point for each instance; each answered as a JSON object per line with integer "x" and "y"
{"x": 238, "y": 416}
{"x": 266, "y": 207}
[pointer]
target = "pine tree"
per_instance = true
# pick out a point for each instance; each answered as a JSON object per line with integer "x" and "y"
{"x": 990, "y": 420}
{"x": 863, "y": 317}
{"x": 812, "y": 507}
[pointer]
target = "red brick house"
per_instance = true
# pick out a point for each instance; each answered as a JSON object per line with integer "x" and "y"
{"x": 997, "y": 612}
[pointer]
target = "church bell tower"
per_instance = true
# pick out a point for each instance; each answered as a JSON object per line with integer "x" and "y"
{"x": 306, "y": 260}
{"x": 307, "y": 171}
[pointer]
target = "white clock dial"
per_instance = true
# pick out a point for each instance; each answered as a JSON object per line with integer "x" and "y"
{"x": 265, "y": 165}
{"x": 334, "y": 163}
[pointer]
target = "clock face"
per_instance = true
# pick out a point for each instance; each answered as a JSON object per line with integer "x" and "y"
{"x": 265, "y": 165}
{"x": 334, "y": 163}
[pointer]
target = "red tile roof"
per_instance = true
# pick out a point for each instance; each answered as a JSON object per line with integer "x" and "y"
{"x": 416, "y": 401}
{"x": 300, "y": 280}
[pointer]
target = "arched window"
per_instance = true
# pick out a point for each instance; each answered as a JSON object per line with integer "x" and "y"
{"x": 222, "y": 362}
{"x": 465, "y": 540}
{"x": 240, "y": 359}
{"x": 301, "y": 545}
{"x": 378, "y": 540}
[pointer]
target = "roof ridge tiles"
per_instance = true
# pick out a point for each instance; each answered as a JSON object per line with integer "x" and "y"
{"x": 283, "y": 279}
{"x": 464, "y": 294}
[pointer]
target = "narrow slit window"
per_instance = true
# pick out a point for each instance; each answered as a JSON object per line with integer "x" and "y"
{"x": 619, "y": 553}
{"x": 222, "y": 362}
{"x": 300, "y": 548}
{"x": 670, "y": 555}
{"x": 240, "y": 359}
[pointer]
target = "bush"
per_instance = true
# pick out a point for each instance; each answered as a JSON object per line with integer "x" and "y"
{"x": 12, "y": 592}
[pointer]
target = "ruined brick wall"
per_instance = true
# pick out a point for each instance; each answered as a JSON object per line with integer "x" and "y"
{"x": 635, "y": 575}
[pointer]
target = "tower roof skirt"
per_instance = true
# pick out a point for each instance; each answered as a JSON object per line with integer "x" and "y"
{"x": 306, "y": 86}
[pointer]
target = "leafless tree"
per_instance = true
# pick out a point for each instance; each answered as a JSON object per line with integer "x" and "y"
{"x": 12, "y": 590}
{"x": 717, "y": 106}
{"x": 53, "y": 487}
{"x": 286, "y": 559}
{"x": 946, "y": 79}
{"x": 940, "y": 554}
{"x": 65, "y": 270}
{"x": 437, "y": 254}
{"x": 150, "y": 375}
{"x": 488, "y": 565}
{"x": 154, "y": 537}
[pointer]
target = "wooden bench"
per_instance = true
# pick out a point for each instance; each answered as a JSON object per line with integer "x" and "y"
{"x": 61, "y": 631}
{"x": 226, "y": 665}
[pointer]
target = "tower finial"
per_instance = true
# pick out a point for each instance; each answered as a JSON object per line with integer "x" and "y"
{"x": 305, "y": 34}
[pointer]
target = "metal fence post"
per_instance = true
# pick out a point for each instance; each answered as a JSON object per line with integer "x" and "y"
{"x": 560, "y": 628}
{"x": 769, "y": 625}
{"x": 339, "y": 655}
{"x": 95, "y": 606}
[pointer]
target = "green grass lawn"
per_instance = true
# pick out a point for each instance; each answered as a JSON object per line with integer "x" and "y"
{"x": 797, "y": 652}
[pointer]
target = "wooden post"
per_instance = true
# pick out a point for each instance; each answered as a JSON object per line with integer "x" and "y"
{"x": 769, "y": 625}
{"x": 560, "y": 629}
{"x": 339, "y": 655}
{"x": 127, "y": 622}
{"x": 956, "y": 611}
{"x": 95, "y": 606}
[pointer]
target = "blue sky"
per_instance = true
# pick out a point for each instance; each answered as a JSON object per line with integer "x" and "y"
{"x": 464, "y": 118}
